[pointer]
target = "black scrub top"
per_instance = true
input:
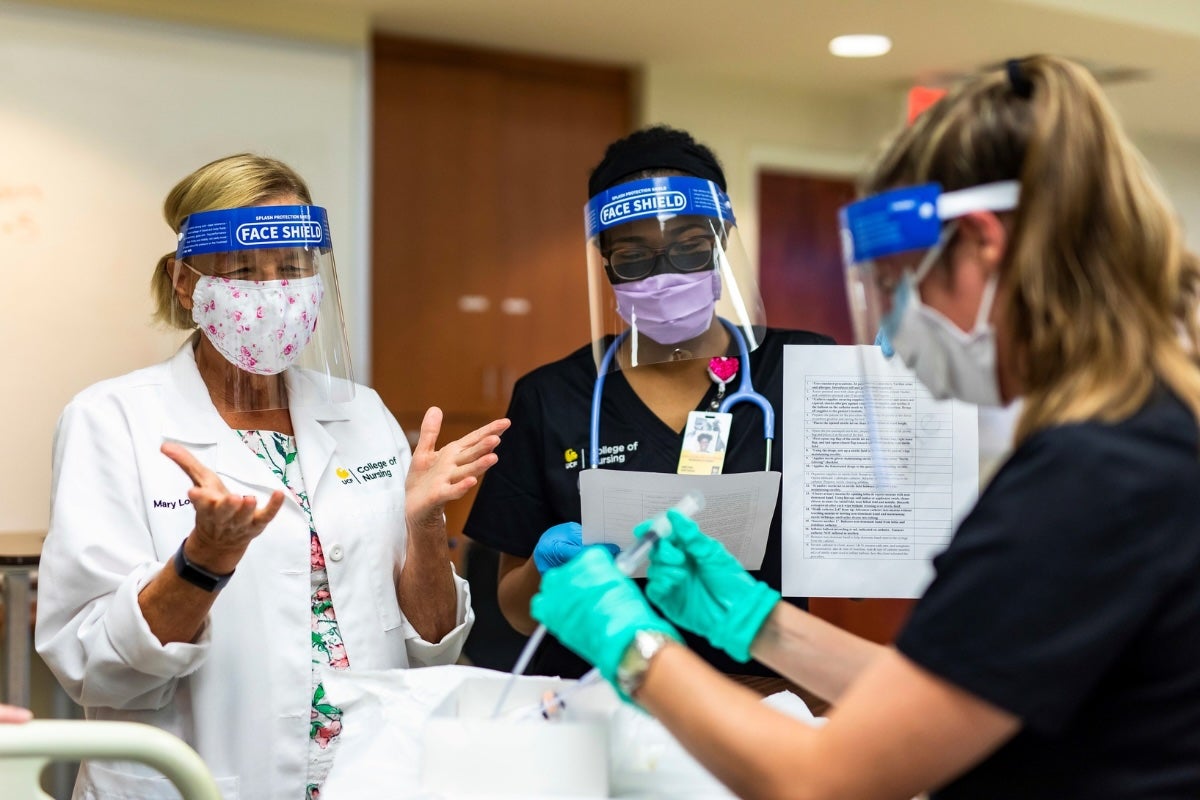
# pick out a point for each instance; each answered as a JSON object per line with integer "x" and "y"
{"x": 1070, "y": 597}
{"x": 535, "y": 484}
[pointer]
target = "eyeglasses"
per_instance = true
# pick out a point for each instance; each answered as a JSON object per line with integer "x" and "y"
{"x": 634, "y": 262}
{"x": 280, "y": 264}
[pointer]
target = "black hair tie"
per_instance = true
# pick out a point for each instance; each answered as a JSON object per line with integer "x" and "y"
{"x": 1021, "y": 85}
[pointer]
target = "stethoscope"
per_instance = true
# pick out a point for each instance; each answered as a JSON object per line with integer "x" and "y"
{"x": 745, "y": 394}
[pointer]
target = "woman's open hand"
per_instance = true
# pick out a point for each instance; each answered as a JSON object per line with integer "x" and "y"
{"x": 226, "y": 523}
{"x": 436, "y": 477}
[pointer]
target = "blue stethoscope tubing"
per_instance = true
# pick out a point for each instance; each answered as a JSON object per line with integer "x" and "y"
{"x": 745, "y": 394}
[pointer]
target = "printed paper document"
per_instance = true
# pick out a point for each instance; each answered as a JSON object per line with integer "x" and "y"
{"x": 737, "y": 507}
{"x": 863, "y": 521}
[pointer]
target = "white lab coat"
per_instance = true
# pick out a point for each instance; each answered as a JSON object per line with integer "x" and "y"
{"x": 241, "y": 693}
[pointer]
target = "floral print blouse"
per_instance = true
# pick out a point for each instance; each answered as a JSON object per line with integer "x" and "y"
{"x": 279, "y": 452}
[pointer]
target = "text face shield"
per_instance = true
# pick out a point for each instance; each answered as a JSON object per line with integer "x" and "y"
{"x": 665, "y": 267}
{"x": 261, "y": 285}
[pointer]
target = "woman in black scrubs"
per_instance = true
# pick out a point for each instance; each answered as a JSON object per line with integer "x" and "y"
{"x": 1057, "y": 652}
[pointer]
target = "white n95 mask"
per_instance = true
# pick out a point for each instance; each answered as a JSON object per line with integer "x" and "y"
{"x": 949, "y": 361}
{"x": 261, "y": 326}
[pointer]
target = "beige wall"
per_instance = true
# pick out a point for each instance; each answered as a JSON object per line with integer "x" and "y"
{"x": 1177, "y": 164}
{"x": 99, "y": 116}
{"x": 68, "y": 326}
{"x": 296, "y": 19}
{"x": 751, "y": 126}
{"x": 754, "y": 125}
{"x": 87, "y": 329}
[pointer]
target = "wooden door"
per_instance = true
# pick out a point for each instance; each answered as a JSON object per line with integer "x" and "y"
{"x": 478, "y": 268}
{"x": 804, "y": 285}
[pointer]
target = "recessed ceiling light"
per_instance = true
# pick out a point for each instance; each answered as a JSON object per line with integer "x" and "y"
{"x": 860, "y": 45}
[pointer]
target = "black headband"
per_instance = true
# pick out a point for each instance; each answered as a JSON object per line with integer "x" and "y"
{"x": 1021, "y": 85}
{"x": 688, "y": 158}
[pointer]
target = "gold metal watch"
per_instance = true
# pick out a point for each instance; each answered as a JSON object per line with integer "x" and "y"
{"x": 631, "y": 672}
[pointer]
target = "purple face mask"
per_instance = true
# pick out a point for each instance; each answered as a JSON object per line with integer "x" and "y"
{"x": 669, "y": 308}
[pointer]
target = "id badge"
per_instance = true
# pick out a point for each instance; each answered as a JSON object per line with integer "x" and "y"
{"x": 704, "y": 441}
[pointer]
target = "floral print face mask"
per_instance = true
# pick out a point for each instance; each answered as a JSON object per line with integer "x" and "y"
{"x": 261, "y": 326}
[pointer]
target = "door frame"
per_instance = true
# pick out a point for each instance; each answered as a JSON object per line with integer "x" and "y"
{"x": 816, "y": 162}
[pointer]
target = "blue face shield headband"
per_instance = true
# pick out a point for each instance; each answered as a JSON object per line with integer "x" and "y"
{"x": 899, "y": 221}
{"x": 253, "y": 228}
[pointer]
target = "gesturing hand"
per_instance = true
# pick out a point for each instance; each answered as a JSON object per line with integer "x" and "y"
{"x": 226, "y": 523}
{"x": 437, "y": 477}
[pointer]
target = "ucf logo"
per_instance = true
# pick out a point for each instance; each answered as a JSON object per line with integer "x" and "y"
{"x": 570, "y": 458}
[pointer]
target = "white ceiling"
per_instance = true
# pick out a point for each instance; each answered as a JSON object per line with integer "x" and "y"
{"x": 780, "y": 42}
{"x": 785, "y": 41}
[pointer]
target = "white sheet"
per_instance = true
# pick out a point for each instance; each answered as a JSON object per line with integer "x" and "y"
{"x": 384, "y": 713}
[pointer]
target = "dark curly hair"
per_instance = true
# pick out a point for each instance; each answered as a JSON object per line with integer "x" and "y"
{"x": 651, "y": 151}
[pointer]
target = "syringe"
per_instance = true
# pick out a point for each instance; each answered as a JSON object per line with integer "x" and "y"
{"x": 627, "y": 561}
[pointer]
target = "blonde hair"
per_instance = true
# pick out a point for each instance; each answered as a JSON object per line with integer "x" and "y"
{"x": 231, "y": 182}
{"x": 1098, "y": 291}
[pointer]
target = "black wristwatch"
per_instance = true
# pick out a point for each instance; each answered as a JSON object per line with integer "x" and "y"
{"x": 198, "y": 576}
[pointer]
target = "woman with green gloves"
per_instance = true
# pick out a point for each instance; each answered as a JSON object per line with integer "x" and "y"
{"x": 1011, "y": 244}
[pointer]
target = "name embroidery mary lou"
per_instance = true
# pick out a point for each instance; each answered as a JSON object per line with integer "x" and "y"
{"x": 180, "y": 503}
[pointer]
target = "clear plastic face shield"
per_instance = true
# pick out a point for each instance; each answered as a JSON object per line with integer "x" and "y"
{"x": 894, "y": 238}
{"x": 890, "y": 242}
{"x": 667, "y": 274}
{"x": 261, "y": 286}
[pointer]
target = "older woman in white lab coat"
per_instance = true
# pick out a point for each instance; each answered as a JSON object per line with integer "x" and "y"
{"x": 207, "y": 559}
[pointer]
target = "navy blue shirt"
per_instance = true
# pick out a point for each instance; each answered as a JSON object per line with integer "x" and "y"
{"x": 1070, "y": 597}
{"x": 535, "y": 485}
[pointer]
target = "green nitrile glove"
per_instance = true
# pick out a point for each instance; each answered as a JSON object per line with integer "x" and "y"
{"x": 595, "y": 610}
{"x": 701, "y": 587}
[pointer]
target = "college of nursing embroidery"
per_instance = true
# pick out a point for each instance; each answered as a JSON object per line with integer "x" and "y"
{"x": 609, "y": 454}
{"x": 372, "y": 470}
